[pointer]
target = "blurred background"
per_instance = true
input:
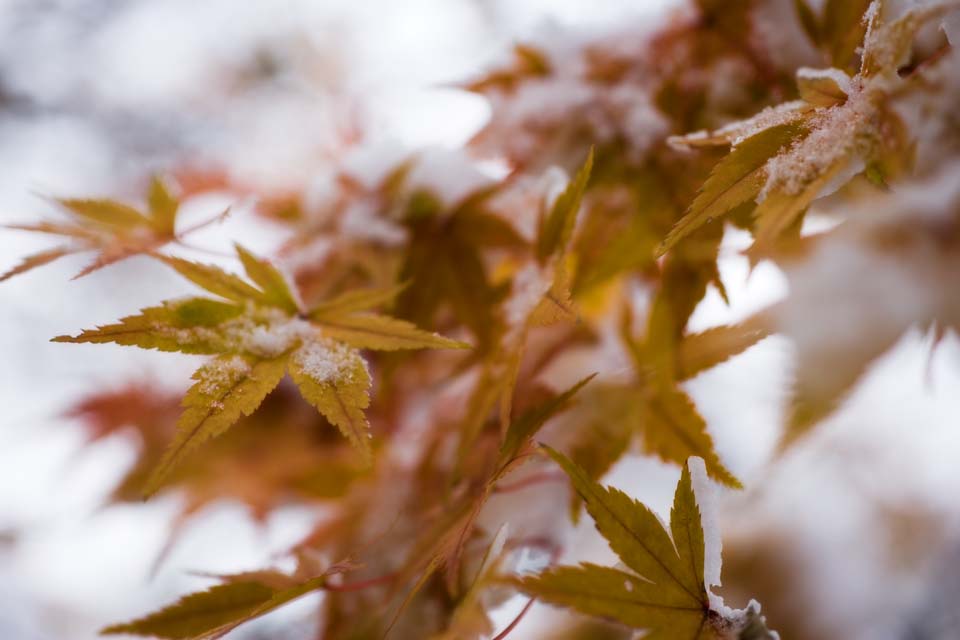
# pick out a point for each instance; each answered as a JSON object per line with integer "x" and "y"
{"x": 853, "y": 534}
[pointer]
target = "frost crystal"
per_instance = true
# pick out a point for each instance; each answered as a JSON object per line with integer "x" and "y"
{"x": 839, "y": 77}
{"x": 327, "y": 361}
{"x": 219, "y": 374}
{"x": 842, "y": 131}
{"x": 769, "y": 117}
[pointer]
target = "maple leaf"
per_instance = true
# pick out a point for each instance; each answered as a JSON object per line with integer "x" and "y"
{"x": 667, "y": 592}
{"x": 444, "y": 262}
{"x": 787, "y": 156}
{"x": 112, "y": 229}
{"x": 211, "y": 614}
{"x": 257, "y": 336}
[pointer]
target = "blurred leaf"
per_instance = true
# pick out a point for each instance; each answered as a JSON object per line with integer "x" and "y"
{"x": 211, "y": 614}
{"x": 556, "y": 228}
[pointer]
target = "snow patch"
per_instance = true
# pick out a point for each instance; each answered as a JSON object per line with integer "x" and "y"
{"x": 705, "y": 492}
{"x": 328, "y": 361}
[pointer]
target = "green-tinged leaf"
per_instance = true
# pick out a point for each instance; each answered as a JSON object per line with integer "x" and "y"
{"x": 36, "y": 260}
{"x": 357, "y": 300}
{"x": 686, "y": 528}
{"x": 636, "y": 535}
{"x": 698, "y": 352}
{"x": 201, "y": 312}
{"x": 557, "y": 228}
{"x": 163, "y": 207}
{"x": 334, "y": 378}
{"x": 674, "y": 430}
{"x": 383, "y": 333}
{"x": 187, "y": 326}
{"x": 226, "y": 388}
{"x": 276, "y": 291}
{"x": 214, "y": 279}
{"x": 106, "y": 212}
{"x": 211, "y": 614}
{"x": 617, "y": 595}
{"x": 526, "y": 426}
{"x": 736, "y": 179}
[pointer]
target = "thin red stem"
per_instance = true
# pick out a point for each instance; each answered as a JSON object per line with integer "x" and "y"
{"x": 532, "y": 479}
{"x": 510, "y": 627}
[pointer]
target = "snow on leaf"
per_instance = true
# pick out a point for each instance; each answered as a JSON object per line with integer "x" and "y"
{"x": 736, "y": 132}
{"x": 886, "y": 46}
{"x": 781, "y": 209}
{"x": 187, "y": 326}
{"x": 264, "y": 330}
{"x": 226, "y": 388}
{"x": 736, "y": 179}
{"x": 334, "y": 378}
{"x": 823, "y": 87}
{"x": 668, "y": 592}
